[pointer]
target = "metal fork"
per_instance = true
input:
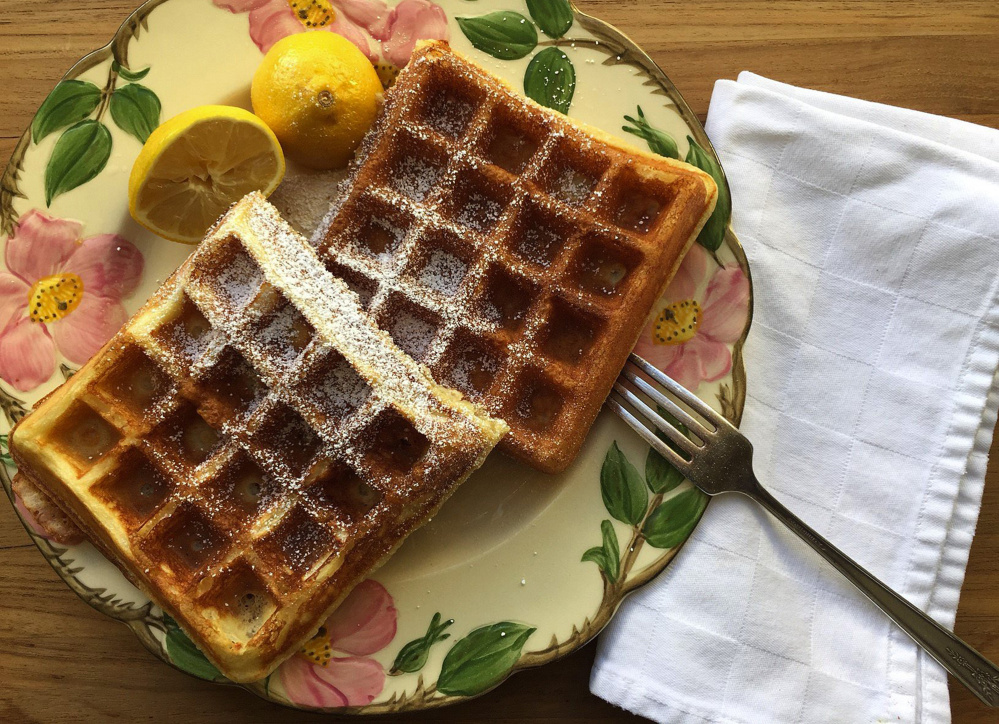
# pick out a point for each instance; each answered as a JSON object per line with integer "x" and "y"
{"x": 720, "y": 460}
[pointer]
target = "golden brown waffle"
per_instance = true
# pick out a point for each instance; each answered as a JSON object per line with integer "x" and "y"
{"x": 251, "y": 445}
{"x": 512, "y": 250}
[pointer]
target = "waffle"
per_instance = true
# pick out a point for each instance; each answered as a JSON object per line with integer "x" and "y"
{"x": 510, "y": 249}
{"x": 251, "y": 445}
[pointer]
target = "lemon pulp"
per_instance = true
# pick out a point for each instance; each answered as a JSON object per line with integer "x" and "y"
{"x": 198, "y": 163}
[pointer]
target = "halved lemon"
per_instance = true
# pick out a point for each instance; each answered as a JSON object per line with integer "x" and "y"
{"x": 196, "y": 164}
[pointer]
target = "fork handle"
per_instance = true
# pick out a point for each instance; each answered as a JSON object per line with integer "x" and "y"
{"x": 968, "y": 666}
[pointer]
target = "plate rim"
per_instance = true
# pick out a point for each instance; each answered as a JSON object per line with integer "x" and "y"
{"x": 135, "y": 618}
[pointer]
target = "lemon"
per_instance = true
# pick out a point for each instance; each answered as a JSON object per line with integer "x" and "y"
{"x": 319, "y": 95}
{"x": 193, "y": 166}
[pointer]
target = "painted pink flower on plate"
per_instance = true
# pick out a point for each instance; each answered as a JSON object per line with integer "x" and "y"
{"x": 60, "y": 294}
{"x": 410, "y": 21}
{"x": 703, "y": 311}
{"x": 379, "y": 32}
{"x": 321, "y": 676}
{"x": 29, "y": 518}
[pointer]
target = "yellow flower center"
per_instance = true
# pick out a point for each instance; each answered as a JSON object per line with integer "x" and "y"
{"x": 317, "y": 649}
{"x": 387, "y": 73}
{"x": 53, "y": 297}
{"x": 313, "y": 13}
{"x": 677, "y": 323}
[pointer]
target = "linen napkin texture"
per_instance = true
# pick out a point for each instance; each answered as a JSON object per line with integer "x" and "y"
{"x": 871, "y": 233}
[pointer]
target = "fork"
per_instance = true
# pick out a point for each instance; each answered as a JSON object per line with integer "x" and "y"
{"x": 722, "y": 462}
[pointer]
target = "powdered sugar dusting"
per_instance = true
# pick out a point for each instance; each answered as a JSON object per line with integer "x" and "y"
{"x": 334, "y": 313}
{"x": 284, "y": 334}
{"x": 443, "y": 272}
{"x": 340, "y": 390}
{"x": 450, "y": 115}
{"x": 415, "y": 177}
{"x": 238, "y": 280}
{"x": 304, "y": 196}
{"x": 412, "y": 333}
{"x": 474, "y": 371}
{"x": 573, "y": 186}
{"x": 479, "y": 212}
{"x": 381, "y": 239}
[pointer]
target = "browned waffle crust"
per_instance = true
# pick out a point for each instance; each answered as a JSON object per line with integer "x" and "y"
{"x": 510, "y": 249}
{"x": 251, "y": 445}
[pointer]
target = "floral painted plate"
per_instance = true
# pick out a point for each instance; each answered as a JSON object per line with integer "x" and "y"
{"x": 519, "y": 568}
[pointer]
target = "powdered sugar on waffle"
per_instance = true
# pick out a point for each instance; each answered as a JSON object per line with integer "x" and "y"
{"x": 463, "y": 156}
{"x": 334, "y": 312}
{"x": 443, "y": 272}
{"x": 239, "y": 281}
{"x": 292, "y": 494}
{"x": 416, "y": 177}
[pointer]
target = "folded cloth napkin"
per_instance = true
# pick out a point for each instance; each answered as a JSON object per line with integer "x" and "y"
{"x": 873, "y": 238}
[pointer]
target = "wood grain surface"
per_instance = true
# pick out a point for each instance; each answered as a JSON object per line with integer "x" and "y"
{"x": 61, "y": 661}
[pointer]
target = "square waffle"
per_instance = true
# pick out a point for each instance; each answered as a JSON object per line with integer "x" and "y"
{"x": 514, "y": 252}
{"x": 250, "y": 445}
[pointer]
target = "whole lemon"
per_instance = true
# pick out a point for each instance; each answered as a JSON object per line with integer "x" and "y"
{"x": 319, "y": 95}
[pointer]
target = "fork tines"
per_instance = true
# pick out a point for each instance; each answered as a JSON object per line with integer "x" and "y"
{"x": 635, "y": 424}
{"x": 626, "y": 403}
{"x": 688, "y": 398}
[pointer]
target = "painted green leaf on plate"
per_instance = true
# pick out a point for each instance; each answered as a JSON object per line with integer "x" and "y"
{"x": 69, "y": 102}
{"x": 713, "y": 233}
{"x": 504, "y": 34}
{"x": 660, "y": 474}
{"x": 550, "y": 79}
{"x": 607, "y": 555}
{"x": 413, "y": 656}
{"x": 622, "y": 488}
{"x": 481, "y": 659}
{"x": 129, "y": 74}
{"x": 596, "y": 555}
{"x": 659, "y": 141}
{"x": 611, "y": 549}
{"x": 670, "y": 523}
{"x": 81, "y": 153}
{"x": 186, "y": 655}
{"x": 5, "y": 451}
{"x": 554, "y": 17}
{"x": 136, "y": 110}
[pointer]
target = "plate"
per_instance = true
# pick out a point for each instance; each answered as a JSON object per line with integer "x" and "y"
{"x": 519, "y": 568}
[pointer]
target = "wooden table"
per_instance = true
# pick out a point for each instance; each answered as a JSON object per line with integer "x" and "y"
{"x": 61, "y": 661}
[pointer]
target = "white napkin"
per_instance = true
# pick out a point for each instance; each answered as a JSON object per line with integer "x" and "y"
{"x": 873, "y": 238}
